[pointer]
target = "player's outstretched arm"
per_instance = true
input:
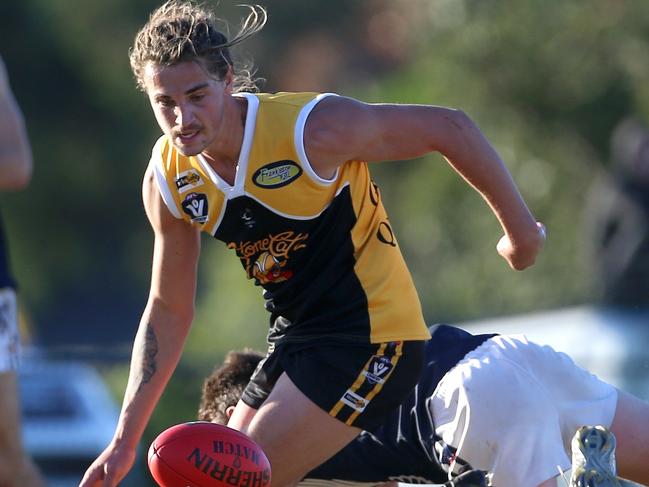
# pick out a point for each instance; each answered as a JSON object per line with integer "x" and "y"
{"x": 342, "y": 129}
{"x": 160, "y": 338}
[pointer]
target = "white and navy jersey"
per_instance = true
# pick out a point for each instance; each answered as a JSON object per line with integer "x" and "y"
{"x": 323, "y": 249}
{"x": 406, "y": 448}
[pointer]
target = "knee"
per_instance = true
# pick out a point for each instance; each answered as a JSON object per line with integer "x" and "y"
{"x": 631, "y": 429}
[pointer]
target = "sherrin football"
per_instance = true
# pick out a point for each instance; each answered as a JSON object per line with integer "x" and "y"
{"x": 202, "y": 454}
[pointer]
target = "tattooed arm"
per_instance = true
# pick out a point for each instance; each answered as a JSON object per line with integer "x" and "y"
{"x": 160, "y": 338}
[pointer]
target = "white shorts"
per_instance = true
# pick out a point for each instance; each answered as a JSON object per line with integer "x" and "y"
{"x": 511, "y": 407}
{"x": 9, "y": 333}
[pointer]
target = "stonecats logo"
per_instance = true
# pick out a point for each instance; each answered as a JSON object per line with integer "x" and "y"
{"x": 266, "y": 259}
{"x": 269, "y": 268}
{"x": 276, "y": 174}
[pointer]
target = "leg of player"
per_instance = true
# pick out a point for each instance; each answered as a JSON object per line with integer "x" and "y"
{"x": 631, "y": 429}
{"x": 16, "y": 467}
{"x": 295, "y": 434}
{"x": 240, "y": 417}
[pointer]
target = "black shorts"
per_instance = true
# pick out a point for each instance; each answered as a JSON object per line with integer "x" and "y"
{"x": 355, "y": 383}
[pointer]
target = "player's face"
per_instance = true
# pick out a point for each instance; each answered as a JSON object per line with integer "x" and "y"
{"x": 188, "y": 104}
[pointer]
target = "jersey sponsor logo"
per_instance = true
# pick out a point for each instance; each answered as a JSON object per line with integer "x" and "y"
{"x": 265, "y": 259}
{"x": 377, "y": 369}
{"x": 276, "y": 174}
{"x": 195, "y": 205}
{"x": 354, "y": 401}
{"x": 269, "y": 268}
{"x": 188, "y": 180}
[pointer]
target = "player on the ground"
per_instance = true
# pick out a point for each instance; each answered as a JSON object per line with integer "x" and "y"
{"x": 508, "y": 406}
{"x": 283, "y": 180}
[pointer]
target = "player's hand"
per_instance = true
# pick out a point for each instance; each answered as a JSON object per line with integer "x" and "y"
{"x": 109, "y": 468}
{"x": 522, "y": 253}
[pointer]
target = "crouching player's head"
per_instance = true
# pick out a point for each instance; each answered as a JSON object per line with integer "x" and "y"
{"x": 223, "y": 388}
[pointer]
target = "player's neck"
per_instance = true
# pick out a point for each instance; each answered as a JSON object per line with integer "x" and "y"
{"x": 223, "y": 153}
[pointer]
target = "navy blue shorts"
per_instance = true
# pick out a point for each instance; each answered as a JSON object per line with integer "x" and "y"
{"x": 359, "y": 384}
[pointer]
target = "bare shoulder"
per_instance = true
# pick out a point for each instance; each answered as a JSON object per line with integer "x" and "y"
{"x": 342, "y": 129}
{"x": 334, "y": 129}
{"x": 337, "y": 119}
{"x": 156, "y": 210}
{"x": 149, "y": 190}
{"x": 166, "y": 226}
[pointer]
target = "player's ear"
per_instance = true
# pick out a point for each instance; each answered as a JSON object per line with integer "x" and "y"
{"x": 229, "y": 410}
{"x": 228, "y": 79}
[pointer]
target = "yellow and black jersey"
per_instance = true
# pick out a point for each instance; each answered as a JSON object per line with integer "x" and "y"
{"x": 323, "y": 250}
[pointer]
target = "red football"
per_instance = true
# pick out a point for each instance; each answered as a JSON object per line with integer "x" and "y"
{"x": 201, "y": 454}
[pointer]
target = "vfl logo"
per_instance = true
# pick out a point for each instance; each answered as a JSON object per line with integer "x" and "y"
{"x": 195, "y": 205}
{"x": 276, "y": 174}
{"x": 188, "y": 180}
{"x": 377, "y": 370}
{"x": 354, "y": 401}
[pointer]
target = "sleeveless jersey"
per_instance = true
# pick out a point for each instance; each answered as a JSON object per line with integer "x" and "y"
{"x": 405, "y": 448}
{"x": 323, "y": 250}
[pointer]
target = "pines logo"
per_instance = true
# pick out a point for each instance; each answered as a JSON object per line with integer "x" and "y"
{"x": 276, "y": 174}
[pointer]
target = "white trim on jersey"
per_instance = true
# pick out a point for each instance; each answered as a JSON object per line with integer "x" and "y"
{"x": 237, "y": 189}
{"x": 161, "y": 182}
{"x": 298, "y": 136}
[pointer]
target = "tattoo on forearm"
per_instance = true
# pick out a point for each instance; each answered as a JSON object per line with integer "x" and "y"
{"x": 149, "y": 364}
